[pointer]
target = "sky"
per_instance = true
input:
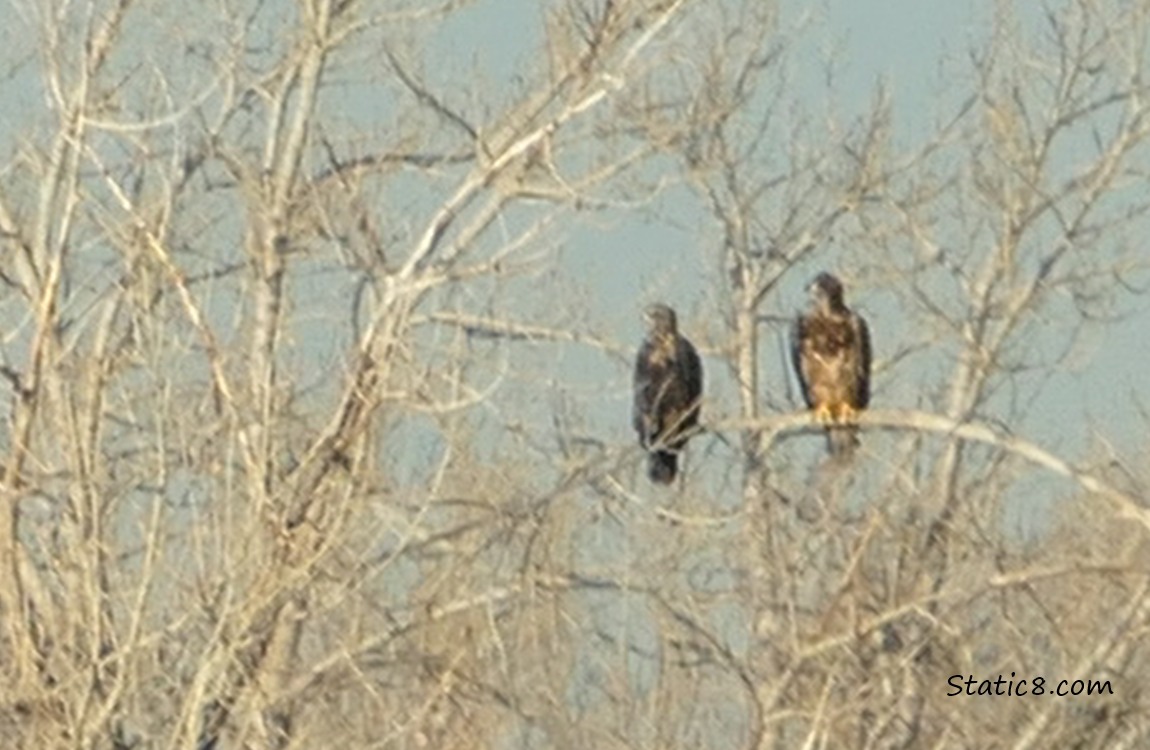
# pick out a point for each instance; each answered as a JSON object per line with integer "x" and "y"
{"x": 919, "y": 53}
{"x": 619, "y": 260}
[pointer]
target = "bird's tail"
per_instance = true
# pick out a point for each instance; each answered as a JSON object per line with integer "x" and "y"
{"x": 661, "y": 466}
{"x": 842, "y": 442}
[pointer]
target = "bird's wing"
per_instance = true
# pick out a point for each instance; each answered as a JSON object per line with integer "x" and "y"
{"x": 798, "y": 332}
{"x": 862, "y": 374}
{"x": 641, "y": 408}
{"x": 693, "y": 370}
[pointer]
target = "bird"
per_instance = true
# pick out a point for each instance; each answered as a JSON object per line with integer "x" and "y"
{"x": 668, "y": 392}
{"x": 831, "y": 354}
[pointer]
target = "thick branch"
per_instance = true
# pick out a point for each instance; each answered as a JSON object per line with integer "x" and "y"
{"x": 773, "y": 427}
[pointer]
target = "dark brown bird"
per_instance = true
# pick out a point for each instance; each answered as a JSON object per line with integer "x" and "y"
{"x": 830, "y": 350}
{"x": 668, "y": 391}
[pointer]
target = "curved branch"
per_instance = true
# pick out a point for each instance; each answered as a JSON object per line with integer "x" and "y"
{"x": 774, "y": 427}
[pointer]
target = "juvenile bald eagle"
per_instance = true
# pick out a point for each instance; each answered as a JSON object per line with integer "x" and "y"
{"x": 830, "y": 351}
{"x": 668, "y": 390}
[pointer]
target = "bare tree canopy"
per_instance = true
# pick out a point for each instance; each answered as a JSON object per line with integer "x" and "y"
{"x": 319, "y": 325}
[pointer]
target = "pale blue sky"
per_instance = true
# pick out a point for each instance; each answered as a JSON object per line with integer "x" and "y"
{"x": 611, "y": 262}
{"x": 480, "y": 58}
{"x": 920, "y": 53}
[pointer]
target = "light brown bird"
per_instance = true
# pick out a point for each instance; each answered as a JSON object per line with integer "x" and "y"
{"x": 830, "y": 351}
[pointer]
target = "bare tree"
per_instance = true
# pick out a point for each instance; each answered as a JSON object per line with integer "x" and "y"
{"x": 311, "y": 443}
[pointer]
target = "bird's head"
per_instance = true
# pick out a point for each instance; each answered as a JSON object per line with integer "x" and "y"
{"x": 660, "y": 320}
{"x": 826, "y": 292}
